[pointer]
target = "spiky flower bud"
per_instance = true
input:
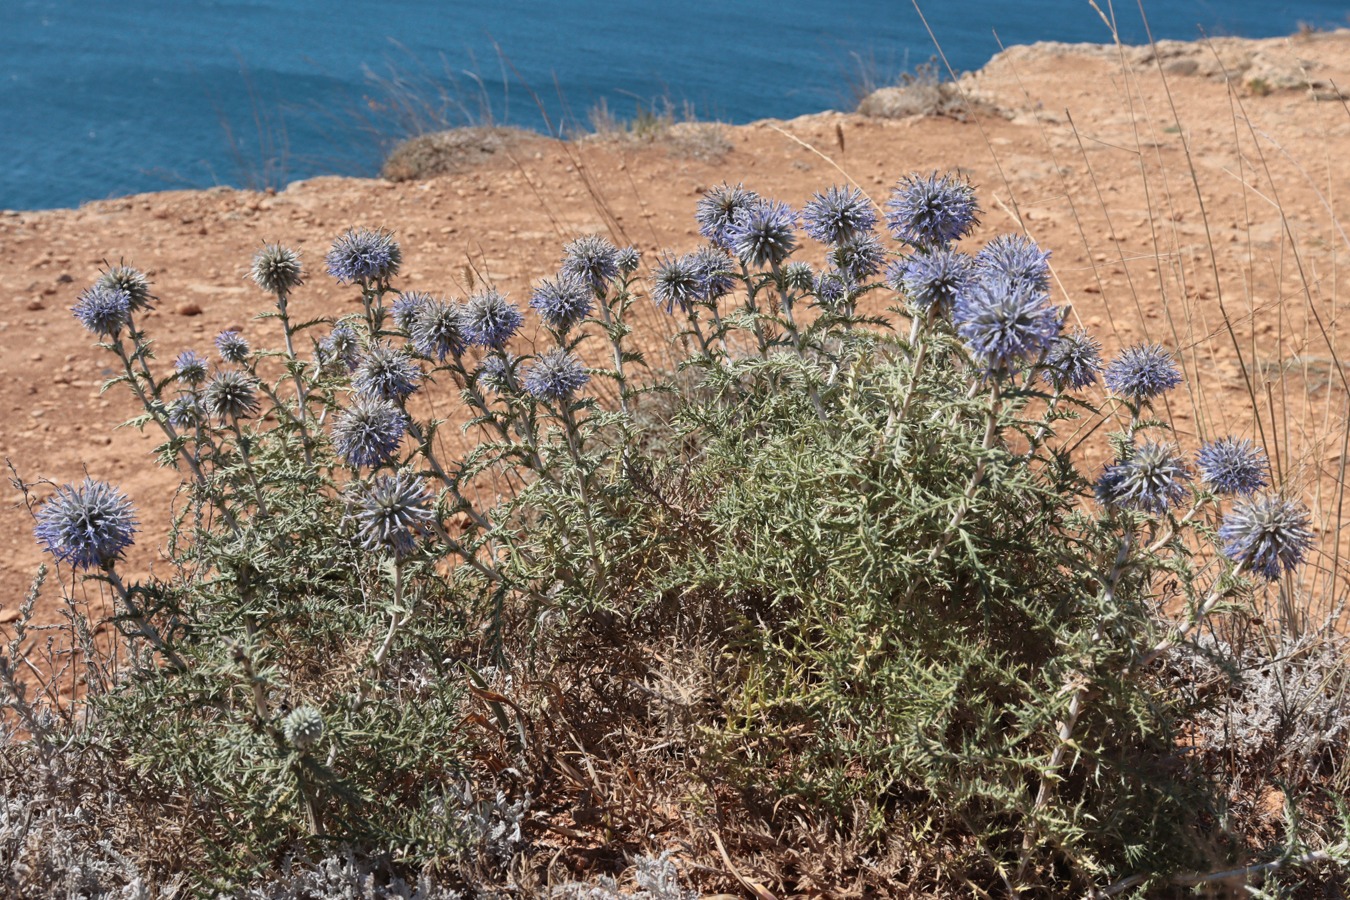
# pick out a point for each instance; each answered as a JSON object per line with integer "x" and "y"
{"x": 858, "y": 258}
{"x": 407, "y": 306}
{"x": 104, "y": 310}
{"x": 562, "y": 301}
{"x": 230, "y": 395}
{"x": 592, "y": 259}
{"x": 555, "y": 375}
{"x": 1268, "y": 535}
{"x": 678, "y": 283}
{"x": 1142, "y": 372}
{"x": 386, "y": 372}
{"x": 1152, "y": 479}
{"x": 342, "y": 347}
{"x": 715, "y": 269}
{"x": 490, "y": 320}
{"x": 190, "y": 367}
{"x": 1232, "y": 466}
{"x": 1004, "y": 324}
{"x": 276, "y": 269}
{"x": 1017, "y": 258}
{"x": 186, "y": 412}
{"x": 934, "y": 278}
{"x": 932, "y": 212}
{"x": 303, "y": 727}
{"x": 763, "y": 234}
{"x": 391, "y": 511}
{"x": 88, "y": 525}
{"x": 1073, "y": 361}
{"x": 363, "y": 255}
{"x": 628, "y": 260}
{"x": 133, "y": 281}
{"x": 438, "y": 330}
{"x": 840, "y": 214}
{"x": 496, "y": 372}
{"x": 368, "y": 432}
{"x": 232, "y": 347}
{"x": 718, "y": 208}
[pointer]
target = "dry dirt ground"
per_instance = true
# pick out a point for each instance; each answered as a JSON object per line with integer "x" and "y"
{"x": 1144, "y": 173}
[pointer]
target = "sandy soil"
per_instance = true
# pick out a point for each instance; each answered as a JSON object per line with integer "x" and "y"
{"x": 1101, "y": 155}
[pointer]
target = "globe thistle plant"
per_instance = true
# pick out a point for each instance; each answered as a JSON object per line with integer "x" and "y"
{"x": 555, "y": 375}
{"x": 1004, "y": 324}
{"x": 859, "y": 258}
{"x": 132, "y": 281}
{"x": 276, "y": 269}
{"x": 592, "y": 259}
{"x": 1017, "y": 258}
{"x": 678, "y": 283}
{"x": 87, "y": 526}
{"x": 1152, "y": 479}
{"x": 933, "y": 280}
{"x": 364, "y": 255}
{"x": 839, "y": 215}
{"x": 232, "y": 347}
{"x": 1073, "y": 361}
{"x": 190, "y": 367}
{"x": 342, "y": 347}
{"x": 368, "y": 432}
{"x": 1266, "y": 534}
{"x": 104, "y": 310}
{"x": 438, "y": 330}
{"x": 230, "y": 394}
{"x": 763, "y": 233}
{"x": 1232, "y": 466}
{"x": 390, "y": 511}
{"x": 1142, "y": 372}
{"x": 386, "y": 372}
{"x": 303, "y": 727}
{"x": 562, "y": 302}
{"x": 490, "y": 320}
{"x": 718, "y": 208}
{"x": 405, "y": 309}
{"x": 932, "y": 212}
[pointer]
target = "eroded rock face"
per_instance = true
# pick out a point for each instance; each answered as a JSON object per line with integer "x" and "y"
{"x": 449, "y": 152}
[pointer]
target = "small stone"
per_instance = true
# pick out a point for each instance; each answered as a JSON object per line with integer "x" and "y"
{"x": 33, "y": 305}
{"x": 189, "y": 309}
{"x": 8, "y": 615}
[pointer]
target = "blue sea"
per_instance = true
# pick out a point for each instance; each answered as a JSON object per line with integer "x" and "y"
{"x": 100, "y": 98}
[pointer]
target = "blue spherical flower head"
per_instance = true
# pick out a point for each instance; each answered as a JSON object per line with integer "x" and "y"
{"x": 276, "y": 269}
{"x": 230, "y": 395}
{"x": 1142, "y": 372}
{"x": 391, "y": 511}
{"x": 364, "y": 255}
{"x": 1004, "y": 324}
{"x": 232, "y": 347}
{"x": 628, "y": 260}
{"x": 368, "y": 432}
{"x": 1153, "y": 480}
{"x": 763, "y": 234}
{"x": 190, "y": 367}
{"x": 87, "y": 526}
{"x": 592, "y": 259}
{"x": 438, "y": 330}
{"x": 496, "y": 372}
{"x": 840, "y": 214}
{"x": 186, "y": 412}
{"x": 933, "y": 279}
{"x": 859, "y": 258}
{"x": 678, "y": 283}
{"x": 562, "y": 302}
{"x": 1266, "y": 534}
{"x": 386, "y": 373}
{"x": 556, "y": 376}
{"x": 105, "y": 311}
{"x": 718, "y": 208}
{"x": 798, "y": 276}
{"x": 406, "y": 308}
{"x": 1017, "y": 258}
{"x": 714, "y": 267}
{"x": 341, "y": 348}
{"x": 133, "y": 281}
{"x": 1073, "y": 361}
{"x": 490, "y": 320}
{"x": 832, "y": 289}
{"x": 1232, "y": 466}
{"x": 929, "y": 213}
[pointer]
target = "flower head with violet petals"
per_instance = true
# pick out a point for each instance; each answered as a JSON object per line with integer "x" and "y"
{"x": 386, "y": 372}
{"x": 1073, "y": 361}
{"x": 1004, "y": 324}
{"x": 718, "y": 208}
{"x": 1153, "y": 480}
{"x": 933, "y": 211}
{"x": 838, "y": 215}
{"x": 437, "y": 331}
{"x": 490, "y": 320}
{"x": 1017, "y": 258}
{"x": 190, "y": 367}
{"x": 1232, "y": 465}
{"x": 763, "y": 233}
{"x": 390, "y": 511}
{"x": 368, "y": 432}
{"x": 105, "y": 311}
{"x": 563, "y": 301}
{"x": 933, "y": 279}
{"x": 593, "y": 259}
{"x": 232, "y": 347}
{"x": 133, "y": 281}
{"x": 363, "y": 255}
{"x": 555, "y": 375}
{"x": 1267, "y": 534}
{"x": 87, "y": 526}
{"x": 1142, "y": 372}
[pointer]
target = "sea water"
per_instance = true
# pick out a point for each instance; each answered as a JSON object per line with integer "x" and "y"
{"x": 101, "y": 98}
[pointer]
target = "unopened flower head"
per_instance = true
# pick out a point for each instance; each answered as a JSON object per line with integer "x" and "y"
{"x": 933, "y": 279}
{"x": 718, "y": 208}
{"x": 390, "y": 511}
{"x": 933, "y": 211}
{"x": 859, "y": 258}
{"x": 1232, "y": 465}
{"x": 797, "y": 276}
{"x": 763, "y": 233}
{"x": 715, "y": 269}
{"x": 341, "y": 347}
{"x": 496, "y": 372}
{"x": 840, "y": 214}
{"x": 185, "y": 412}
{"x": 628, "y": 260}
{"x": 1004, "y": 324}
{"x": 1017, "y": 258}
{"x": 88, "y": 525}
{"x": 438, "y": 330}
{"x": 678, "y": 283}
{"x": 490, "y": 320}
{"x": 1153, "y": 480}
{"x": 105, "y": 311}
{"x": 232, "y": 347}
{"x": 406, "y": 308}
{"x": 303, "y": 727}
{"x": 555, "y": 375}
{"x": 1142, "y": 372}
{"x": 1267, "y": 534}
{"x": 592, "y": 259}
{"x": 368, "y": 432}
{"x": 386, "y": 372}
{"x": 276, "y": 269}
{"x": 230, "y": 394}
{"x": 190, "y": 367}
{"x": 563, "y": 301}
{"x": 1073, "y": 361}
{"x": 364, "y": 255}
{"x": 832, "y": 289}
{"x": 133, "y": 281}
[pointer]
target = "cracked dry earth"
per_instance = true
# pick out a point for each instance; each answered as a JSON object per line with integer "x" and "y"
{"x": 1144, "y": 172}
